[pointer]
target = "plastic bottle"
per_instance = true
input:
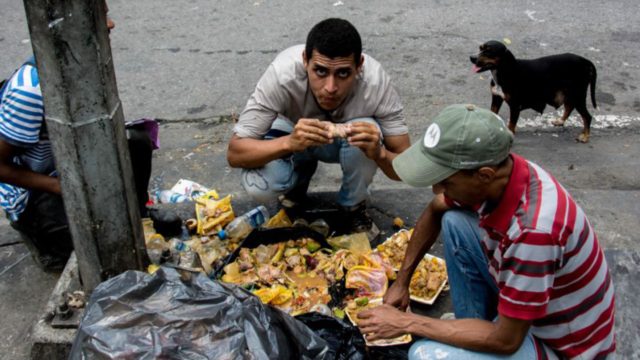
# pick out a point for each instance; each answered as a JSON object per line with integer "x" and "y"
{"x": 241, "y": 226}
{"x": 170, "y": 197}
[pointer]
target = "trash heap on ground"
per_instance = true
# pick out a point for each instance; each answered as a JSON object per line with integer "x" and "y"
{"x": 294, "y": 266}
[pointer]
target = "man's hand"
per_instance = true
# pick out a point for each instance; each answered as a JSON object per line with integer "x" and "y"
{"x": 397, "y": 296}
{"x": 367, "y": 137}
{"x": 309, "y": 132}
{"x": 383, "y": 322}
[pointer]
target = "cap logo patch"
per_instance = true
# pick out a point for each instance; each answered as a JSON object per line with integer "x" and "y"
{"x": 432, "y": 136}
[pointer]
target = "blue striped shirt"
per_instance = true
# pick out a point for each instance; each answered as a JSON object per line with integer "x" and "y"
{"x": 21, "y": 122}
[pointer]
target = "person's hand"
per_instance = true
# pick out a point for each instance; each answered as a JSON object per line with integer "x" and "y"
{"x": 382, "y": 322}
{"x": 397, "y": 295}
{"x": 367, "y": 137}
{"x": 309, "y": 132}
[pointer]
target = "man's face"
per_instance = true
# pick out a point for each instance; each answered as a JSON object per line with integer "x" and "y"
{"x": 464, "y": 188}
{"x": 331, "y": 80}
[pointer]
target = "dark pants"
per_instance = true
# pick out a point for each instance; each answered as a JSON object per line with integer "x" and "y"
{"x": 43, "y": 225}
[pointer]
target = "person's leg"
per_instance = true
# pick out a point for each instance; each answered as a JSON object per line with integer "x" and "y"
{"x": 357, "y": 172}
{"x": 428, "y": 349}
{"x": 473, "y": 290}
{"x": 44, "y": 228}
{"x": 140, "y": 150}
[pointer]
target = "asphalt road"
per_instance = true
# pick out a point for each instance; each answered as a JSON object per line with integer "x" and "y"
{"x": 193, "y": 63}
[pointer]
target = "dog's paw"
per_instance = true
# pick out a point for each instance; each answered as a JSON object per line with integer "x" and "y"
{"x": 557, "y": 122}
{"x": 583, "y": 138}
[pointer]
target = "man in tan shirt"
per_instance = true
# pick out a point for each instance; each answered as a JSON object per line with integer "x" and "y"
{"x": 323, "y": 101}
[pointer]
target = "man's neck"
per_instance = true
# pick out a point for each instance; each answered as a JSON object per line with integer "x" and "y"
{"x": 499, "y": 184}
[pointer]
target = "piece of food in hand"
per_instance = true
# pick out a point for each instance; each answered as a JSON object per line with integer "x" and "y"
{"x": 339, "y": 130}
{"x": 352, "y": 311}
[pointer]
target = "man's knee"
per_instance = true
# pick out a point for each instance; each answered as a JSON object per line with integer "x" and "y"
{"x": 453, "y": 218}
{"x": 265, "y": 185}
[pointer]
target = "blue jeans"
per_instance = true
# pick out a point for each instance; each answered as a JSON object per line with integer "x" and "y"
{"x": 473, "y": 290}
{"x": 292, "y": 174}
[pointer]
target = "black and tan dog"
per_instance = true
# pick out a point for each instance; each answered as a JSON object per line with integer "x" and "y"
{"x": 532, "y": 84}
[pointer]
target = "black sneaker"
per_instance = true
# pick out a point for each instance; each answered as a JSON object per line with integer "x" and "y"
{"x": 360, "y": 221}
{"x": 295, "y": 206}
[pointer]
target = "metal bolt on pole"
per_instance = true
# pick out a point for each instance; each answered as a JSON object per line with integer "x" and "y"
{"x": 85, "y": 122}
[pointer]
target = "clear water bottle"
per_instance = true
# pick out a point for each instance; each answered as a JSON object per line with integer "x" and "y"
{"x": 241, "y": 226}
{"x": 170, "y": 197}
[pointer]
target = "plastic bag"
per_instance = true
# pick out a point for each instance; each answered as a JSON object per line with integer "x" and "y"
{"x": 368, "y": 281}
{"x": 170, "y": 315}
{"x": 345, "y": 341}
{"x": 213, "y": 214}
{"x": 357, "y": 243}
{"x": 279, "y": 220}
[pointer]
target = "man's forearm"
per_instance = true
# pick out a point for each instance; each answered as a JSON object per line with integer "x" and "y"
{"x": 253, "y": 153}
{"x": 424, "y": 235}
{"x": 28, "y": 179}
{"x": 384, "y": 162}
{"x": 472, "y": 334}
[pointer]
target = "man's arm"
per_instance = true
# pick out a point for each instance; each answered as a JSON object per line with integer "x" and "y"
{"x": 14, "y": 175}
{"x": 252, "y": 153}
{"x": 424, "y": 235}
{"x": 504, "y": 336}
{"x": 367, "y": 137}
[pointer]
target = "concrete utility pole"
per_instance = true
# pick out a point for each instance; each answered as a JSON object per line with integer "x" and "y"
{"x": 86, "y": 126}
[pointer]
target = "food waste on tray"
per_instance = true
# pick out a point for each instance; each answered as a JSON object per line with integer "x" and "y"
{"x": 296, "y": 275}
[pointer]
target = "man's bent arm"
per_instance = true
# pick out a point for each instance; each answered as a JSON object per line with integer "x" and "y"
{"x": 393, "y": 146}
{"x": 24, "y": 178}
{"x": 505, "y": 336}
{"x": 424, "y": 235}
{"x": 250, "y": 153}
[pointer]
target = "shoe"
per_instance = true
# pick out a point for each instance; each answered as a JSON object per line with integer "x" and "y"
{"x": 360, "y": 221}
{"x": 295, "y": 206}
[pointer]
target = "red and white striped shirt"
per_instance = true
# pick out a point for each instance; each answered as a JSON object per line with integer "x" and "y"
{"x": 549, "y": 267}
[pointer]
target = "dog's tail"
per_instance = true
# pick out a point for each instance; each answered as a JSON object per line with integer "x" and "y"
{"x": 592, "y": 84}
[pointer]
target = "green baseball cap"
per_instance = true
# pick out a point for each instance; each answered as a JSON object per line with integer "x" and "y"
{"x": 462, "y": 136}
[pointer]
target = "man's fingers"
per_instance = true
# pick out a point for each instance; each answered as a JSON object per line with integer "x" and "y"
{"x": 365, "y": 314}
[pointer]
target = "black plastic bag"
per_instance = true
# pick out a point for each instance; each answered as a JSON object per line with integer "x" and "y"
{"x": 172, "y": 315}
{"x": 345, "y": 341}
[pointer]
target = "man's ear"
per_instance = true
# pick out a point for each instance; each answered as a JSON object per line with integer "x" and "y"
{"x": 486, "y": 174}
{"x": 359, "y": 67}
{"x": 304, "y": 58}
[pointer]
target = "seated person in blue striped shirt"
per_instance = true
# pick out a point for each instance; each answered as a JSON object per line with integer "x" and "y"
{"x": 29, "y": 186}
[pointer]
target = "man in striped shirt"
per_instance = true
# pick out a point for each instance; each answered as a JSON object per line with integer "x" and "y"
{"x": 29, "y": 184}
{"x": 528, "y": 277}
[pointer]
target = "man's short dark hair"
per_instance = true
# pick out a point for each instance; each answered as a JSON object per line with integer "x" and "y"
{"x": 334, "y": 38}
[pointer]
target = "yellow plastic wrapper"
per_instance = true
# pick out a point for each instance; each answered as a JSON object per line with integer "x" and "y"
{"x": 213, "y": 214}
{"x": 152, "y": 268}
{"x": 279, "y": 220}
{"x": 357, "y": 243}
{"x": 276, "y": 295}
{"x": 147, "y": 228}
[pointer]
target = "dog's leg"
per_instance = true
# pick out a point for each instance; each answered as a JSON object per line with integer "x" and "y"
{"x": 496, "y": 97}
{"x": 514, "y": 114}
{"x": 568, "y": 108}
{"x": 586, "y": 121}
{"x": 496, "y": 103}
